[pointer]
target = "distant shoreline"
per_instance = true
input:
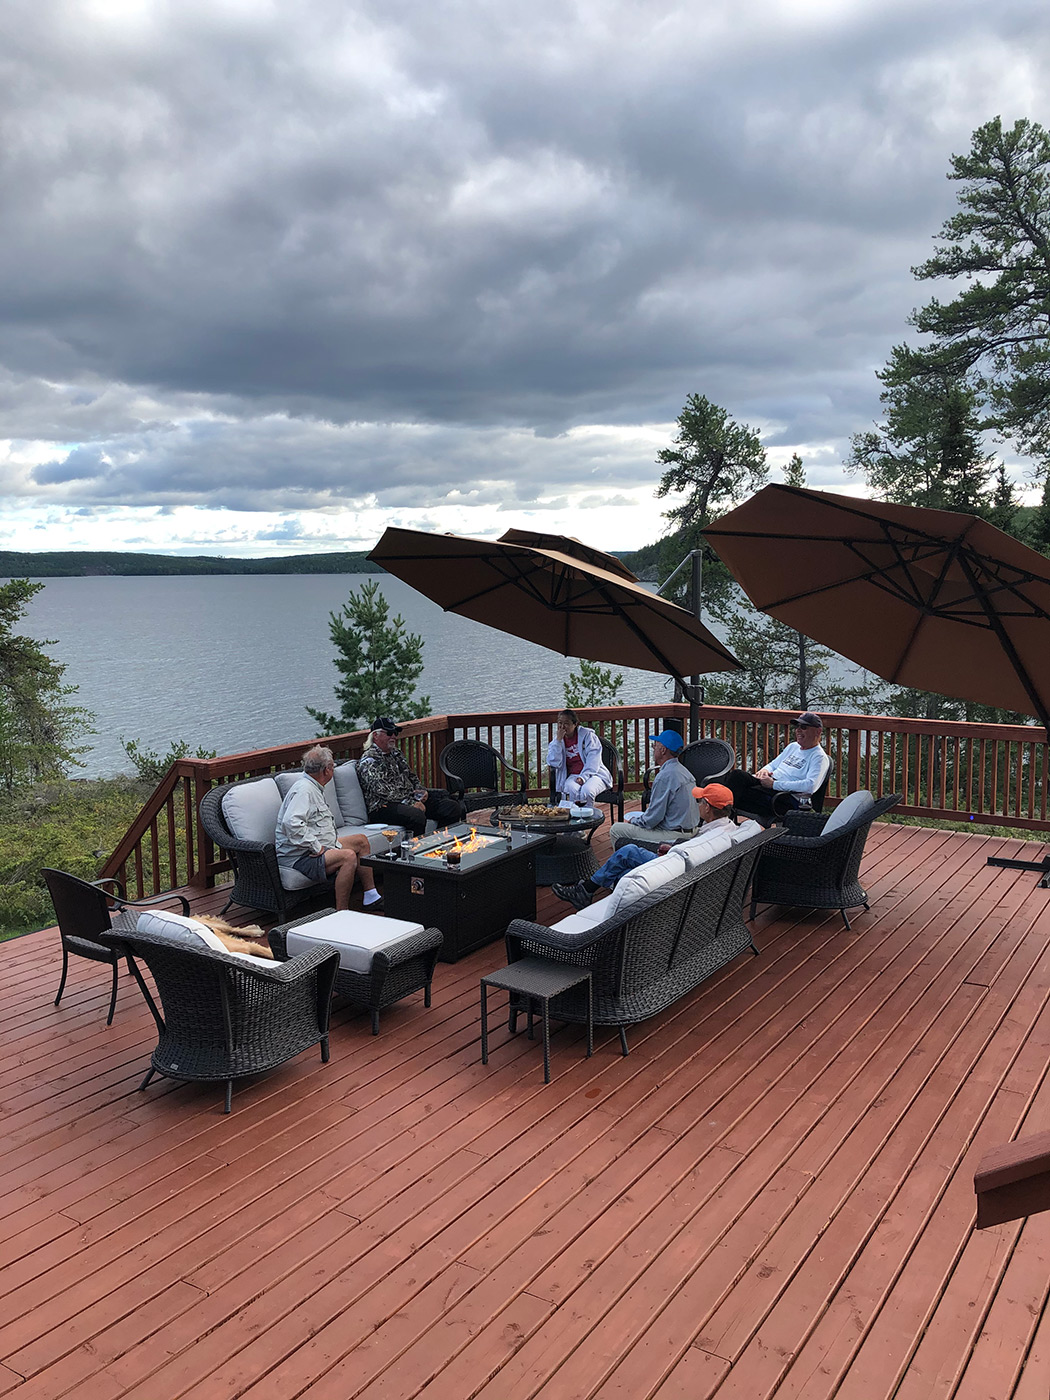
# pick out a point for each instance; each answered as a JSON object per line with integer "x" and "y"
{"x": 114, "y": 564}
{"x": 105, "y": 564}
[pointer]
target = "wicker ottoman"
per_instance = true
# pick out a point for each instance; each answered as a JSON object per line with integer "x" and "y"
{"x": 380, "y": 960}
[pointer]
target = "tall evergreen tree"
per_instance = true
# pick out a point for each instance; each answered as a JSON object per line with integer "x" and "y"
{"x": 713, "y": 463}
{"x": 379, "y": 662}
{"x": 40, "y": 731}
{"x": 928, "y": 451}
{"x": 999, "y": 241}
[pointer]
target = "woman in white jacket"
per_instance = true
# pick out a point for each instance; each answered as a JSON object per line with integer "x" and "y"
{"x": 575, "y": 754}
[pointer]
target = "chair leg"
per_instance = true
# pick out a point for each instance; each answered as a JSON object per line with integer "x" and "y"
{"x": 754, "y": 908}
{"x": 226, "y": 906}
{"x": 113, "y": 998}
{"x": 149, "y": 1075}
{"x": 426, "y": 995}
{"x": 375, "y": 1021}
{"x": 623, "y": 1041}
{"x": 845, "y": 919}
{"x": 324, "y": 1050}
{"x": 229, "y": 1096}
{"x": 65, "y": 969}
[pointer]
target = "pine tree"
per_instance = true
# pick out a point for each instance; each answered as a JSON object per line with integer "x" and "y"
{"x": 379, "y": 661}
{"x": 40, "y": 731}
{"x": 715, "y": 463}
{"x": 999, "y": 241}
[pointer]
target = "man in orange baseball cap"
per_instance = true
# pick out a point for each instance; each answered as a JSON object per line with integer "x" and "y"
{"x": 717, "y": 822}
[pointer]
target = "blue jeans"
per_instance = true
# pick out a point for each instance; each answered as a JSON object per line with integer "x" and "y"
{"x": 619, "y": 863}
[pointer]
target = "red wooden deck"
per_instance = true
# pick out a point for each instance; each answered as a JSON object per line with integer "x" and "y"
{"x": 771, "y": 1195}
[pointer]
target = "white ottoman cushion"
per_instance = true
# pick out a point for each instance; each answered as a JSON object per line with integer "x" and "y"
{"x": 250, "y": 810}
{"x": 357, "y": 936}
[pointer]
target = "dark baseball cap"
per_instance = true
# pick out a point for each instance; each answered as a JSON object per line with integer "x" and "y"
{"x": 809, "y": 721}
{"x": 386, "y": 724}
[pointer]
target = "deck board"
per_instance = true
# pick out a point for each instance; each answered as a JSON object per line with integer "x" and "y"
{"x": 771, "y": 1194}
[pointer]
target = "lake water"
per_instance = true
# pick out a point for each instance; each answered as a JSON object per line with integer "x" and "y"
{"x": 230, "y": 662}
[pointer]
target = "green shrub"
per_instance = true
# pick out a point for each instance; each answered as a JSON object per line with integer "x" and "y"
{"x": 150, "y": 766}
{"x": 70, "y": 824}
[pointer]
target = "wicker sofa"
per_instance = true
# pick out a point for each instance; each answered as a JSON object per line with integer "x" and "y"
{"x": 650, "y": 952}
{"x": 241, "y": 817}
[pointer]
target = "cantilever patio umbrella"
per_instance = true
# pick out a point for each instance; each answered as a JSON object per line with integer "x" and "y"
{"x": 934, "y": 599}
{"x": 554, "y": 597}
{"x": 927, "y": 598}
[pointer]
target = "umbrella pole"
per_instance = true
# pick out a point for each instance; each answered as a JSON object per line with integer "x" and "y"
{"x": 691, "y": 690}
{"x": 694, "y": 688}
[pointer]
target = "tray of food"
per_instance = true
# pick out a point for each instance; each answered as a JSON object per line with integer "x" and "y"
{"x": 534, "y": 812}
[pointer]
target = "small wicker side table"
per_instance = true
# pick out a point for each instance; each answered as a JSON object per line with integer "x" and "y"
{"x": 536, "y": 980}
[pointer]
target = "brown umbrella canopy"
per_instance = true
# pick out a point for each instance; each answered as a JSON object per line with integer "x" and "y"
{"x": 933, "y": 599}
{"x": 567, "y": 544}
{"x": 555, "y": 599}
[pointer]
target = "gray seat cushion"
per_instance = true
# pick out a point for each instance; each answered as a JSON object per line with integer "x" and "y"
{"x": 286, "y": 781}
{"x": 250, "y": 810}
{"x": 848, "y": 808}
{"x": 348, "y": 792}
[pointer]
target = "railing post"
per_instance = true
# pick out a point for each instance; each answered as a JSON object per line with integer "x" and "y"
{"x": 204, "y": 875}
{"x": 852, "y": 761}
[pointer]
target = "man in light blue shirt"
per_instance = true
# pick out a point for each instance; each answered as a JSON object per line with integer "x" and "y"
{"x": 672, "y": 809}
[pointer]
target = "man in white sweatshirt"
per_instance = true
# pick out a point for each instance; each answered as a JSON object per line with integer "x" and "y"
{"x": 798, "y": 771}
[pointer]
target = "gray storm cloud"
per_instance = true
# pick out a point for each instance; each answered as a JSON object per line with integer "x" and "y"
{"x": 289, "y": 257}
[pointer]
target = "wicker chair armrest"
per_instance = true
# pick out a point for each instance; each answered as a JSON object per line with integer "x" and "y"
{"x": 235, "y": 843}
{"x": 109, "y": 880}
{"x": 424, "y": 942}
{"x": 548, "y": 937}
{"x": 294, "y": 969}
{"x": 148, "y": 903}
{"x": 805, "y": 823}
{"x": 454, "y": 785}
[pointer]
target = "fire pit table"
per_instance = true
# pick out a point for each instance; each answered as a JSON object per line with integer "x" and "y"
{"x": 568, "y": 856}
{"x": 468, "y": 881}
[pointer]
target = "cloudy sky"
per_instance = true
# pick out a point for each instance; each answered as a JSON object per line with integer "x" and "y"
{"x": 277, "y": 274}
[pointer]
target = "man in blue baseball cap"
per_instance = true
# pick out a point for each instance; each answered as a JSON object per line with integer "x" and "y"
{"x": 672, "y": 809}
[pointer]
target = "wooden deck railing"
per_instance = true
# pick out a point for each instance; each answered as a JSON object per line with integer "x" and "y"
{"x": 989, "y": 774}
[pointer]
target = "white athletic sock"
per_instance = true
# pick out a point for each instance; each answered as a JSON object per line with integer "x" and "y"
{"x": 371, "y": 896}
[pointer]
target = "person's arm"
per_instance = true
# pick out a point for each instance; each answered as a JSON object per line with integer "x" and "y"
{"x": 591, "y": 752}
{"x": 296, "y": 824}
{"x": 653, "y": 816}
{"x": 368, "y": 776}
{"x": 555, "y": 753}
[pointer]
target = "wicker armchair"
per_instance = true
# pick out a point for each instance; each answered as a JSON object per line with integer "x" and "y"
{"x": 471, "y": 764}
{"x": 613, "y": 796}
{"x": 257, "y": 876}
{"x": 814, "y": 871}
{"x": 706, "y": 759}
{"x": 83, "y": 911}
{"x": 224, "y": 1018}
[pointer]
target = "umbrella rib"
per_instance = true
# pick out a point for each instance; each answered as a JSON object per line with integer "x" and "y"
{"x": 924, "y": 610}
{"x": 1006, "y": 642}
{"x": 647, "y": 642}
